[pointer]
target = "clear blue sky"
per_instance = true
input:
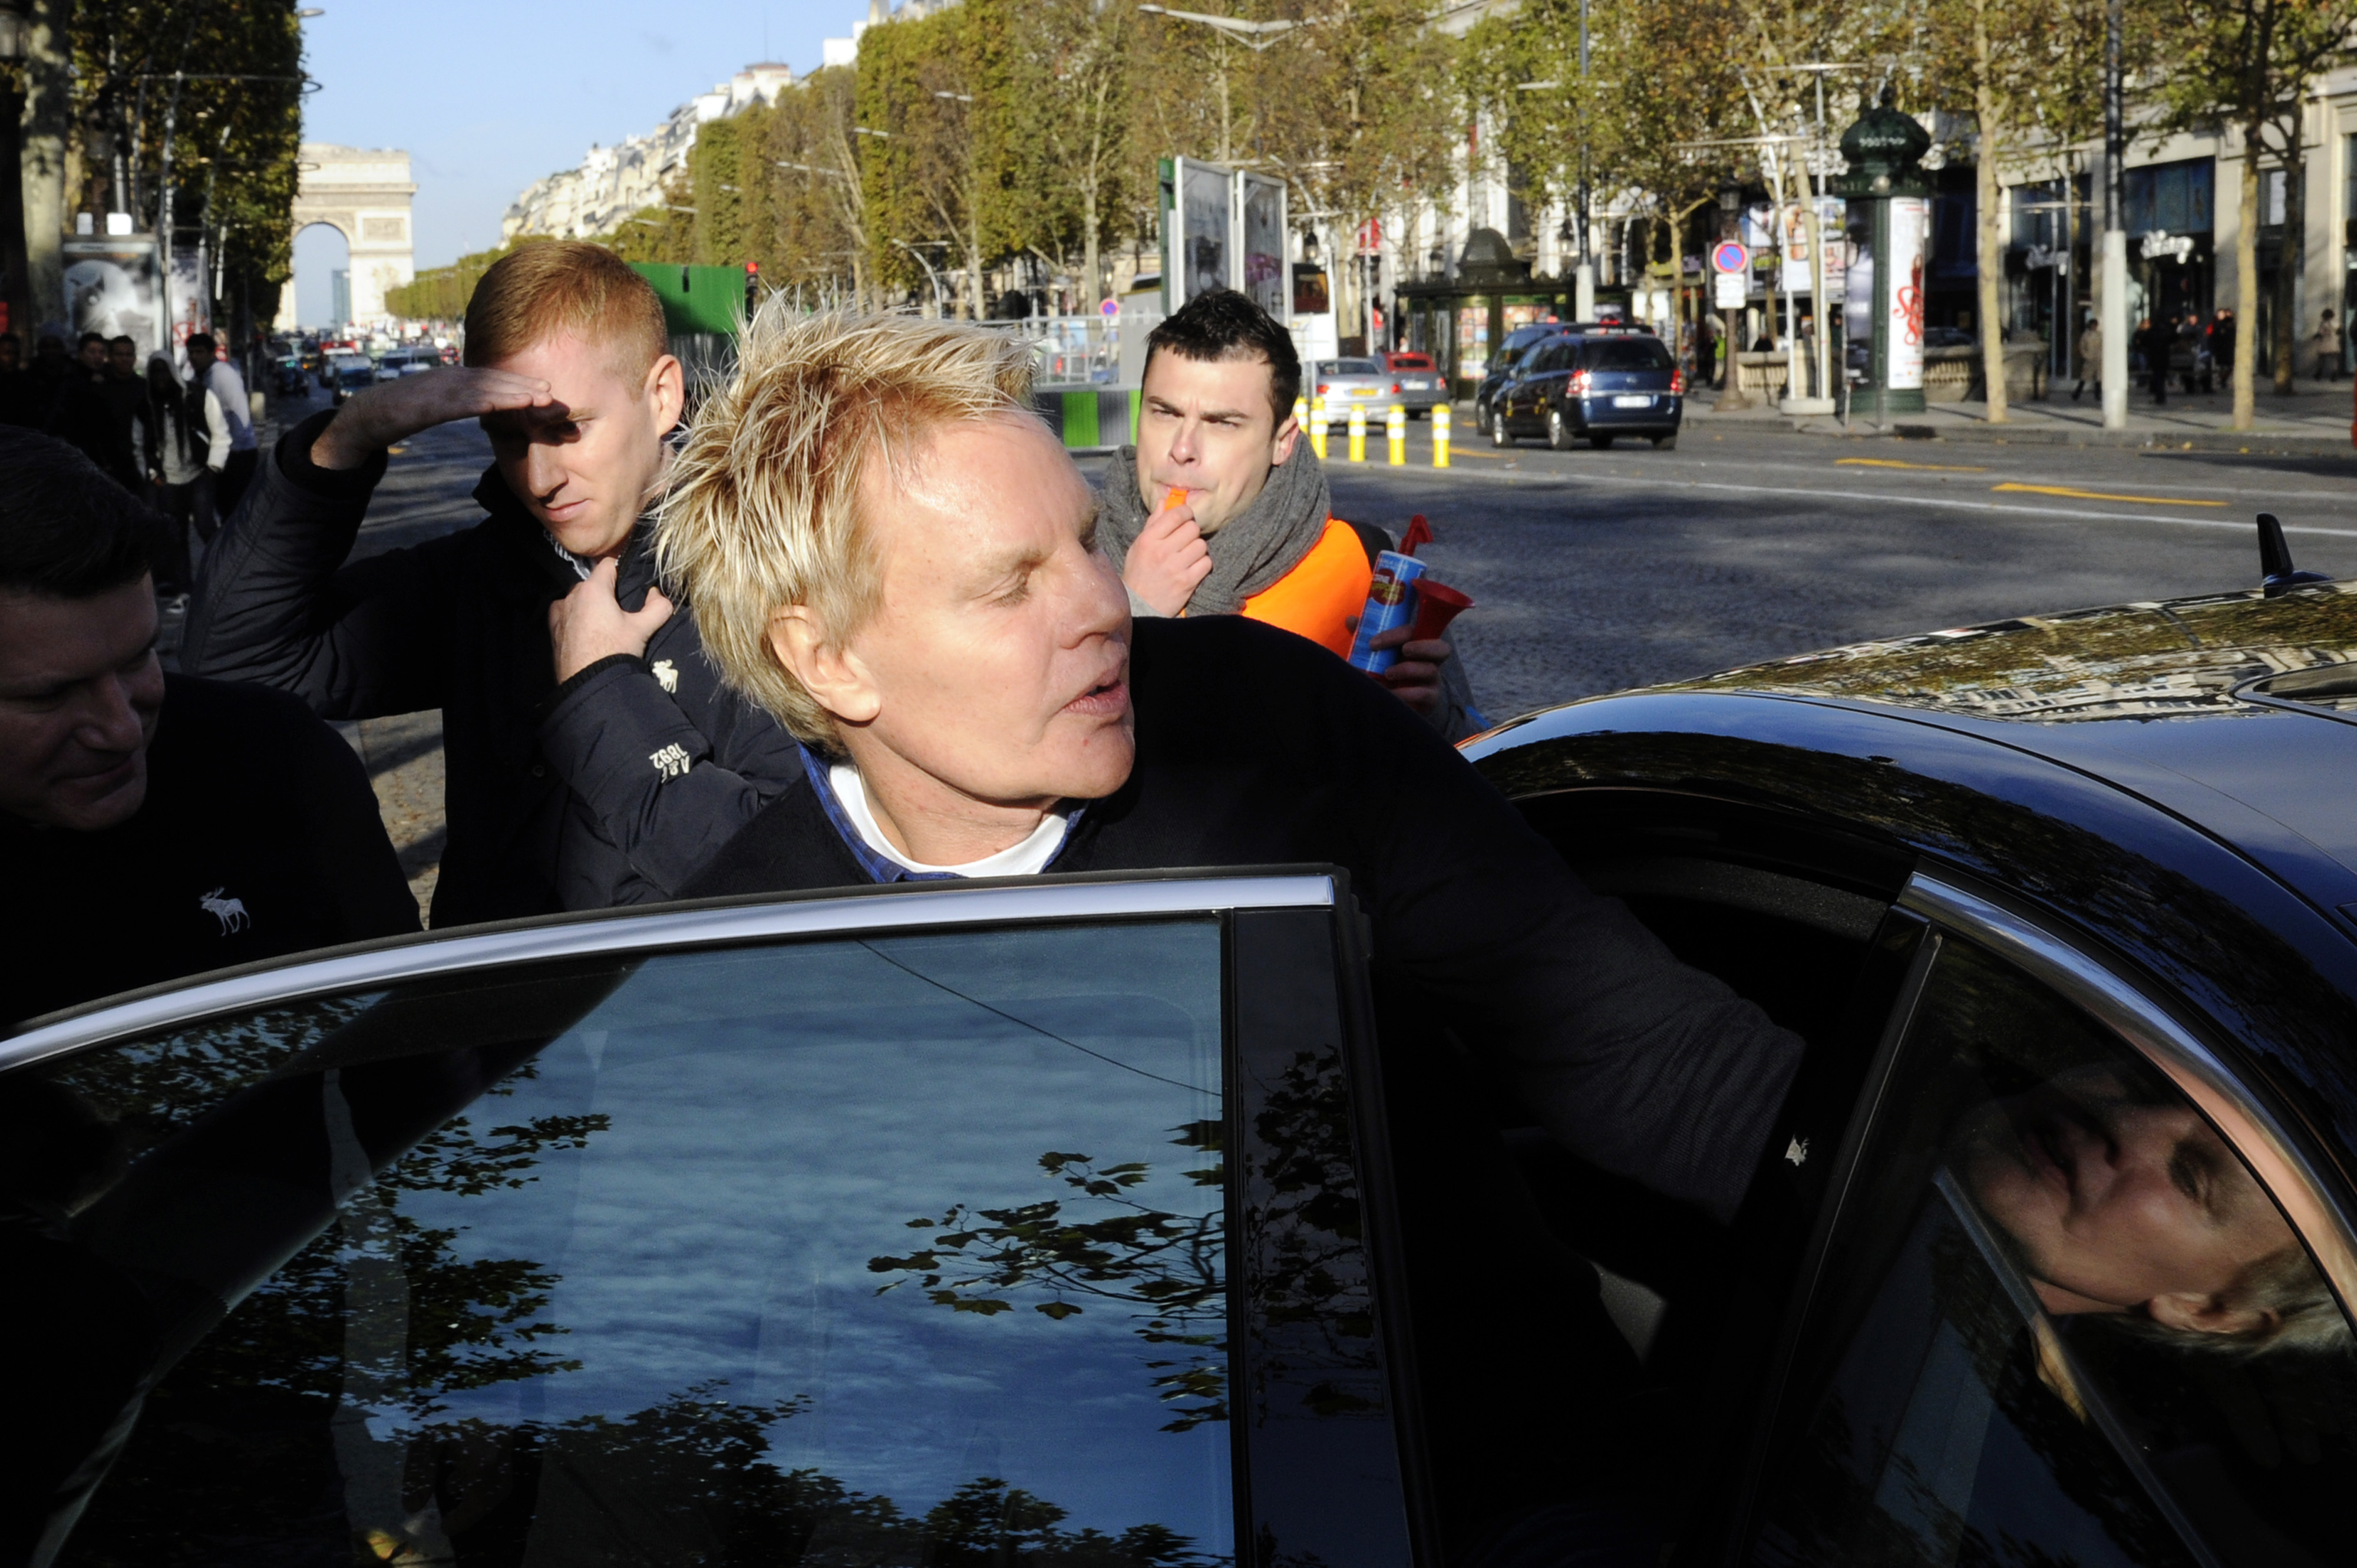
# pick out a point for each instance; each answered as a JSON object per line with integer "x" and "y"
{"x": 489, "y": 95}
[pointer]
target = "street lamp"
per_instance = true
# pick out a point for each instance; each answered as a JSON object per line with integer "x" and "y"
{"x": 2114, "y": 327}
{"x": 1254, "y": 36}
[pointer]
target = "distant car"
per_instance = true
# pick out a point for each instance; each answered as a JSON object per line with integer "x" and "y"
{"x": 292, "y": 379}
{"x": 1343, "y": 383}
{"x": 1502, "y": 363}
{"x": 350, "y": 373}
{"x": 1592, "y": 386}
{"x": 417, "y": 360}
{"x": 1417, "y": 384}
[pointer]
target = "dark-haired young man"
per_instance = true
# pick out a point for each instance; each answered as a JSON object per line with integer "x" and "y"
{"x": 1219, "y": 509}
{"x": 153, "y": 825}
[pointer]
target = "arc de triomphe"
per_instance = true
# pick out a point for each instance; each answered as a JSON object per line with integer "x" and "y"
{"x": 363, "y": 193}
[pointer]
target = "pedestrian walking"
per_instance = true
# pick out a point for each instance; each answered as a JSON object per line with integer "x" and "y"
{"x": 2222, "y": 344}
{"x": 219, "y": 376}
{"x": 2327, "y": 347}
{"x": 2090, "y": 358}
{"x": 593, "y": 757}
{"x": 154, "y": 825}
{"x": 184, "y": 438}
{"x": 2153, "y": 345}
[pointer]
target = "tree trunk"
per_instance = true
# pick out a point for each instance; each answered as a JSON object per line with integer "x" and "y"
{"x": 2246, "y": 284}
{"x": 1988, "y": 194}
{"x": 974, "y": 258}
{"x": 2291, "y": 255}
{"x": 1091, "y": 262}
{"x": 48, "y": 126}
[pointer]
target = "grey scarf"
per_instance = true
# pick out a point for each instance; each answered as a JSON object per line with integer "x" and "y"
{"x": 1259, "y": 545}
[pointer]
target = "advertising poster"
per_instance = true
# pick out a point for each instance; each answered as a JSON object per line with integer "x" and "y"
{"x": 1263, "y": 200}
{"x": 113, "y": 289}
{"x": 191, "y": 299}
{"x": 1797, "y": 278}
{"x": 1909, "y": 218}
{"x": 1203, "y": 238}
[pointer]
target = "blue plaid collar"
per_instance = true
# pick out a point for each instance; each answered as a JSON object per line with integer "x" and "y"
{"x": 880, "y": 868}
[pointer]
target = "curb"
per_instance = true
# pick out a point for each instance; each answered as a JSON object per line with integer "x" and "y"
{"x": 2295, "y": 442}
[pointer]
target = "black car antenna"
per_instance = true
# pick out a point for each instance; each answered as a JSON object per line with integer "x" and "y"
{"x": 2275, "y": 560}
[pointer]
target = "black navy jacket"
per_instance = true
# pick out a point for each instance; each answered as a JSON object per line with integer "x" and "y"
{"x": 259, "y": 838}
{"x": 1644, "y": 1065}
{"x": 611, "y": 789}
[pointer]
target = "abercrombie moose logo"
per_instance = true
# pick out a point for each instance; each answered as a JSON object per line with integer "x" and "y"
{"x": 230, "y": 912}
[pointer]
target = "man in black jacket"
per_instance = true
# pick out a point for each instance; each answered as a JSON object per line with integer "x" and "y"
{"x": 592, "y": 756}
{"x": 153, "y": 825}
{"x": 921, "y": 598}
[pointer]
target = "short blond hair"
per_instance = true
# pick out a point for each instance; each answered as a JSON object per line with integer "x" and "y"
{"x": 763, "y": 508}
{"x": 555, "y": 288}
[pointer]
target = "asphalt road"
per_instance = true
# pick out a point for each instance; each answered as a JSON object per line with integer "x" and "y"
{"x": 1595, "y": 571}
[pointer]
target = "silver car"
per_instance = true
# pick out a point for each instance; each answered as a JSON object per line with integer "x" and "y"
{"x": 1348, "y": 383}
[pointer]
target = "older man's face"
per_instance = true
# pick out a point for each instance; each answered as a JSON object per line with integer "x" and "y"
{"x": 998, "y": 659}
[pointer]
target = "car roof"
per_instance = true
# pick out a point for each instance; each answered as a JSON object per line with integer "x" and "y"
{"x": 2235, "y": 712}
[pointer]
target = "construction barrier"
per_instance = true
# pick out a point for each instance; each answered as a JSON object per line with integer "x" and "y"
{"x": 1089, "y": 419}
{"x": 1358, "y": 433}
{"x": 1395, "y": 432}
{"x": 1440, "y": 436}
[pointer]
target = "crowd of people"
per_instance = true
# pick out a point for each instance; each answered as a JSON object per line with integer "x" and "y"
{"x": 181, "y": 440}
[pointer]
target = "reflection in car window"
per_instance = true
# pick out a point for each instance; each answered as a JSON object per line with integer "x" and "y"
{"x": 901, "y": 1250}
{"x": 2063, "y": 1323}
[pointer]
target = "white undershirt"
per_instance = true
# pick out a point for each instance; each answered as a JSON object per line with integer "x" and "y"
{"x": 1024, "y": 859}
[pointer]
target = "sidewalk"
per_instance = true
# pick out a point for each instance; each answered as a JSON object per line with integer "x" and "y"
{"x": 2313, "y": 419}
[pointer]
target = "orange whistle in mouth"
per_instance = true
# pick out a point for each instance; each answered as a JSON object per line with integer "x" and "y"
{"x": 1176, "y": 497}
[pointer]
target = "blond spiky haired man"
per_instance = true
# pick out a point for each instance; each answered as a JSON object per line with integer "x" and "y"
{"x": 885, "y": 550}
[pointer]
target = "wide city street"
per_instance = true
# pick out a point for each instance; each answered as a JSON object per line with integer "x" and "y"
{"x": 1596, "y": 570}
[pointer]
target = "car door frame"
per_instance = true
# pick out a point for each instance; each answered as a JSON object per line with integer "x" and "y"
{"x": 2168, "y": 1034}
{"x": 1287, "y": 934}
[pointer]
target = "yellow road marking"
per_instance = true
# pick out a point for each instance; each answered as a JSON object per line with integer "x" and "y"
{"x": 1895, "y": 463}
{"x": 2099, "y": 495}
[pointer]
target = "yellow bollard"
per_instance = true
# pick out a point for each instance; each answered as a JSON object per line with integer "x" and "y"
{"x": 1396, "y": 428}
{"x": 1358, "y": 433}
{"x": 1301, "y": 413}
{"x": 1318, "y": 418}
{"x": 1440, "y": 436}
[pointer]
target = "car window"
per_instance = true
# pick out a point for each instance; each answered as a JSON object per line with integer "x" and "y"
{"x": 1411, "y": 361}
{"x": 2061, "y": 1320}
{"x": 1626, "y": 354}
{"x": 898, "y": 1249}
{"x": 1357, "y": 368}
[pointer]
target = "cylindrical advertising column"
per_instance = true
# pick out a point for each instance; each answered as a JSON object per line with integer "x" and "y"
{"x": 1900, "y": 283}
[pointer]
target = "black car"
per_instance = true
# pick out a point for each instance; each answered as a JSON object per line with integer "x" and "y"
{"x": 1503, "y": 362}
{"x": 1087, "y": 1220}
{"x": 1594, "y": 386}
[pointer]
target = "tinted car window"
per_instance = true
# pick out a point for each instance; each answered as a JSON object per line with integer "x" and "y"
{"x": 1626, "y": 354}
{"x": 1354, "y": 368}
{"x": 2063, "y": 1322}
{"x": 896, "y": 1250}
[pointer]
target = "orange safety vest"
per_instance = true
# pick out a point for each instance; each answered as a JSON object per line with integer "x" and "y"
{"x": 1323, "y": 594}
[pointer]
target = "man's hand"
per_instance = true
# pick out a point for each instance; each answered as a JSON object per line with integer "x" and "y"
{"x": 1168, "y": 559}
{"x": 395, "y": 411}
{"x": 1416, "y": 676}
{"x": 588, "y": 624}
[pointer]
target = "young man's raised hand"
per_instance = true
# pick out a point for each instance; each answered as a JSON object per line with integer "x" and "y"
{"x": 1170, "y": 558}
{"x": 394, "y": 411}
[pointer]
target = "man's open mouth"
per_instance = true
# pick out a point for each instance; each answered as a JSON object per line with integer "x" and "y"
{"x": 1108, "y": 698}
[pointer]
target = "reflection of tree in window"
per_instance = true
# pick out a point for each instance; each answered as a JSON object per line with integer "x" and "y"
{"x": 1302, "y": 1214}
